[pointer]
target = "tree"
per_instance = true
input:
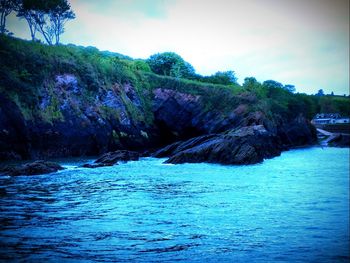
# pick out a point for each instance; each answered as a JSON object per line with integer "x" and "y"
{"x": 60, "y": 12}
{"x": 320, "y": 92}
{"x": 249, "y": 81}
{"x": 6, "y": 7}
{"x": 252, "y": 85}
{"x": 272, "y": 84}
{"x": 28, "y": 11}
{"x": 142, "y": 65}
{"x": 182, "y": 69}
{"x": 275, "y": 90}
{"x": 222, "y": 77}
{"x": 170, "y": 64}
{"x": 46, "y": 16}
{"x": 290, "y": 88}
{"x": 225, "y": 77}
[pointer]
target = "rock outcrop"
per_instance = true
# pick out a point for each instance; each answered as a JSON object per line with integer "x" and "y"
{"x": 180, "y": 115}
{"x": 112, "y": 158}
{"x": 247, "y": 145}
{"x": 33, "y": 168}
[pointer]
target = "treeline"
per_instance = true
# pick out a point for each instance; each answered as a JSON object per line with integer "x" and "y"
{"x": 277, "y": 98}
{"x": 173, "y": 65}
{"x": 46, "y": 17}
{"x": 269, "y": 96}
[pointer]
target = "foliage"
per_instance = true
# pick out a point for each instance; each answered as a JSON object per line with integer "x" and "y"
{"x": 26, "y": 66}
{"x": 290, "y": 88}
{"x": 252, "y": 85}
{"x": 46, "y": 16}
{"x": 334, "y": 104}
{"x": 142, "y": 65}
{"x": 272, "y": 84}
{"x": 6, "y": 8}
{"x": 320, "y": 93}
{"x": 170, "y": 64}
{"x": 215, "y": 96}
{"x": 220, "y": 77}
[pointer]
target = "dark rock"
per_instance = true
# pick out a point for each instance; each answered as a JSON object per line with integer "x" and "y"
{"x": 96, "y": 165}
{"x": 121, "y": 155}
{"x": 181, "y": 116}
{"x": 247, "y": 145}
{"x": 298, "y": 132}
{"x": 111, "y": 158}
{"x": 34, "y": 168}
{"x": 167, "y": 150}
{"x": 258, "y": 140}
{"x": 341, "y": 140}
{"x": 14, "y": 143}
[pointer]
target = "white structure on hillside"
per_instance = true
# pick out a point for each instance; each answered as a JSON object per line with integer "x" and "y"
{"x": 329, "y": 118}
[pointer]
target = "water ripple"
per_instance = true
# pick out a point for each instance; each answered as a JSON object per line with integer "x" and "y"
{"x": 291, "y": 208}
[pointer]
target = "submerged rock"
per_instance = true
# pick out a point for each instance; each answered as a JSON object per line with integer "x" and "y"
{"x": 112, "y": 158}
{"x": 34, "y": 168}
{"x": 94, "y": 165}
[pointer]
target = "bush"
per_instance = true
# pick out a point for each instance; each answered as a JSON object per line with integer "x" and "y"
{"x": 170, "y": 64}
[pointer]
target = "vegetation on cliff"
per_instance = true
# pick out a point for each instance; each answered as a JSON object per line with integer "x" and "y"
{"x": 26, "y": 66}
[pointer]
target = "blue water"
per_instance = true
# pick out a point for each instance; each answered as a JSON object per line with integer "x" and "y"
{"x": 291, "y": 208}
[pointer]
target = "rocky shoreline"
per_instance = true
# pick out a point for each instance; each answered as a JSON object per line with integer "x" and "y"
{"x": 241, "y": 146}
{"x": 182, "y": 130}
{"x": 76, "y": 102}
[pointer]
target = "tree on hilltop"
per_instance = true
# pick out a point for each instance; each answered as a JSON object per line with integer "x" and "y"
{"x": 290, "y": 88}
{"x": 320, "y": 92}
{"x": 60, "y": 12}
{"x": 272, "y": 84}
{"x": 223, "y": 77}
{"x": 29, "y": 11}
{"x": 46, "y": 16}
{"x": 170, "y": 64}
{"x": 6, "y": 8}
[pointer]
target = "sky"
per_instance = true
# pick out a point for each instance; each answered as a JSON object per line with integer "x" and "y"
{"x": 300, "y": 42}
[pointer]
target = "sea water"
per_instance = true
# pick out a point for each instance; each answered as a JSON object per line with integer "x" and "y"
{"x": 294, "y": 207}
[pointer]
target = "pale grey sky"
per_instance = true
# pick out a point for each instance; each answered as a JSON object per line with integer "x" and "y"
{"x": 300, "y": 42}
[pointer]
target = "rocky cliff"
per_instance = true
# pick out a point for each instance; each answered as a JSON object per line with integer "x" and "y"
{"x": 64, "y": 109}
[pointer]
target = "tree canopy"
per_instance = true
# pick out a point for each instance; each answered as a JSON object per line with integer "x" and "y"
{"x": 170, "y": 64}
{"x": 46, "y": 16}
{"x": 6, "y": 8}
{"x": 222, "y": 77}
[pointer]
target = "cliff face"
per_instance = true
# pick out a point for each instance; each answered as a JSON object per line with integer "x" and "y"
{"x": 115, "y": 119}
{"x": 67, "y": 121}
{"x": 62, "y": 108}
